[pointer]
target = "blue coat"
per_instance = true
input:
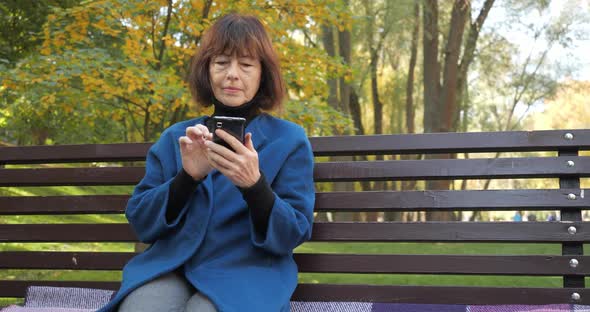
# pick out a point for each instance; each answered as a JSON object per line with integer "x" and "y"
{"x": 213, "y": 236}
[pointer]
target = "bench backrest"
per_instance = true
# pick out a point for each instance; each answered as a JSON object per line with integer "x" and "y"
{"x": 70, "y": 166}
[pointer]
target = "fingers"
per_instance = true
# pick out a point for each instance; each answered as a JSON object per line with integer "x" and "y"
{"x": 221, "y": 150}
{"x": 205, "y": 131}
{"x": 231, "y": 140}
{"x": 198, "y": 133}
{"x": 219, "y": 162}
{"x": 185, "y": 143}
{"x": 248, "y": 142}
{"x": 195, "y": 136}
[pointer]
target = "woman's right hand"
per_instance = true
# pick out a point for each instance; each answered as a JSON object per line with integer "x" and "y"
{"x": 194, "y": 151}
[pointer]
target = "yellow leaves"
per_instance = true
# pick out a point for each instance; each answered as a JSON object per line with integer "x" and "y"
{"x": 132, "y": 48}
{"x": 168, "y": 40}
{"x": 102, "y": 25}
{"x": 117, "y": 115}
{"x": 197, "y": 4}
{"x": 123, "y": 71}
{"x": 131, "y": 87}
{"x": 67, "y": 108}
{"x": 48, "y": 99}
{"x": 155, "y": 107}
{"x": 568, "y": 109}
{"x": 177, "y": 103}
{"x": 45, "y": 49}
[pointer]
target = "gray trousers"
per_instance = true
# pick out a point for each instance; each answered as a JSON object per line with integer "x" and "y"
{"x": 168, "y": 293}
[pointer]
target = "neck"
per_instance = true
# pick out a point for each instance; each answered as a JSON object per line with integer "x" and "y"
{"x": 248, "y": 110}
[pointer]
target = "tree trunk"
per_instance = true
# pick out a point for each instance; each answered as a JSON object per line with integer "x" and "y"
{"x": 431, "y": 70}
{"x": 329, "y": 46}
{"x": 432, "y": 88}
{"x": 443, "y": 101}
{"x": 344, "y": 48}
{"x": 461, "y": 10}
{"x": 377, "y": 104}
{"x": 410, "y": 109}
{"x": 355, "y": 112}
{"x": 328, "y": 42}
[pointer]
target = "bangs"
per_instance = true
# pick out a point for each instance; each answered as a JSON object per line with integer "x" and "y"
{"x": 237, "y": 37}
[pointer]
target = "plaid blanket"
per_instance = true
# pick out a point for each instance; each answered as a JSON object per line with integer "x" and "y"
{"x": 60, "y": 299}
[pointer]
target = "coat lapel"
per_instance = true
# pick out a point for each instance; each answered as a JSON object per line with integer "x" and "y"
{"x": 256, "y": 128}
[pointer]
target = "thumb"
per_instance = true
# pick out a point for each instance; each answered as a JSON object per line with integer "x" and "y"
{"x": 248, "y": 141}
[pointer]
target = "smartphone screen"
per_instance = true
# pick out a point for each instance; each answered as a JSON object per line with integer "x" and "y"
{"x": 232, "y": 125}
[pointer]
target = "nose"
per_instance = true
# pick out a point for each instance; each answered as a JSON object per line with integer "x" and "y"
{"x": 232, "y": 71}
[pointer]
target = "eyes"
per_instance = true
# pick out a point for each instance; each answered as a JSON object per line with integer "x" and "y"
{"x": 222, "y": 61}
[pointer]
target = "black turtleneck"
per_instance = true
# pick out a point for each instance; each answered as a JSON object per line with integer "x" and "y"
{"x": 247, "y": 110}
{"x": 259, "y": 197}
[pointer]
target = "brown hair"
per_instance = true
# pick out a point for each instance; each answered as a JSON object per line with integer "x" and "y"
{"x": 246, "y": 36}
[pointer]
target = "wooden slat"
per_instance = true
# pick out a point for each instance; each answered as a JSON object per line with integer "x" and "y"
{"x": 330, "y": 263}
{"x": 56, "y": 205}
{"x": 333, "y": 201}
{"x": 438, "y": 294}
{"x": 451, "y": 200}
{"x": 66, "y": 233}
{"x": 48, "y": 260}
{"x": 426, "y": 143}
{"x": 71, "y": 176}
{"x": 322, "y": 146}
{"x": 445, "y": 169}
{"x": 500, "y": 168}
{"x": 372, "y": 293}
{"x": 441, "y": 264}
{"x": 450, "y": 232}
{"x": 337, "y": 231}
{"x": 74, "y": 153}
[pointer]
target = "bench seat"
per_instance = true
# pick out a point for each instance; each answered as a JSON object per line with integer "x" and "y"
{"x": 354, "y": 174}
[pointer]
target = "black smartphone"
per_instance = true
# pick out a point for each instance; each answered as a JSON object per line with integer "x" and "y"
{"x": 232, "y": 125}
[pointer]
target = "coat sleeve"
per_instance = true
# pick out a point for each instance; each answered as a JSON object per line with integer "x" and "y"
{"x": 291, "y": 217}
{"x": 146, "y": 209}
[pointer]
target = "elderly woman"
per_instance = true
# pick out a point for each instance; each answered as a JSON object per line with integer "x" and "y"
{"x": 222, "y": 223}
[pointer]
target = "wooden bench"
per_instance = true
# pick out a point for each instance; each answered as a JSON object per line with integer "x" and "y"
{"x": 564, "y": 165}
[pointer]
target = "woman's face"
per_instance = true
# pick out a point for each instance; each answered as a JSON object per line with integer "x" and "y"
{"x": 234, "y": 80}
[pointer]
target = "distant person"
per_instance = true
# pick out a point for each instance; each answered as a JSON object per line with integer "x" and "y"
{"x": 532, "y": 217}
{"x": 552, "y": 217}
{"x": 222, "y": 220}
{"x": 517, "y": 217}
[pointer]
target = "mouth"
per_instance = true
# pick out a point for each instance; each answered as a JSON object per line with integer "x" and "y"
{"x": 231, "y": 90}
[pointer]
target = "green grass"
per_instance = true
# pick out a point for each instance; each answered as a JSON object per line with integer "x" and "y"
{"x": 65, "y": 190}
{"x": 432, "y": 249}
{"x": 111, "y": 247}
{"x": 63, "y": 219}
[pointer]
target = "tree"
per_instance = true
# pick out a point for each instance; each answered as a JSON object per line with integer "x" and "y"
{"x": 443, "y": 88}
{"x": 566, "y": 109}
{"x": 126, "y": 63}
{"x": 20, "y": 24}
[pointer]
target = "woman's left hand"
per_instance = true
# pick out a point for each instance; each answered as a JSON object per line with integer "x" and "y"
{"x": 241, "y": 166}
